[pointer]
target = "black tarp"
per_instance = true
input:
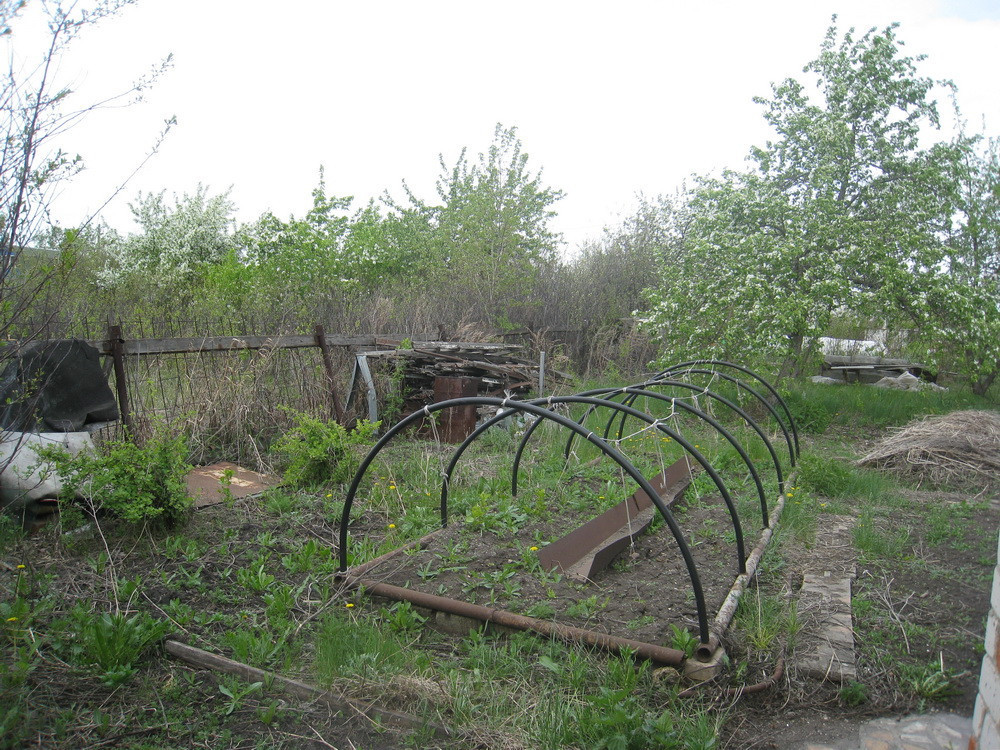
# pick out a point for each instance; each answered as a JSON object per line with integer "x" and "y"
{"x": 55, "y": 386}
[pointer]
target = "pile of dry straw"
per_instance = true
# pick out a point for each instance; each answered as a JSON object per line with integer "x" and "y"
{"x": 961, "y": 448}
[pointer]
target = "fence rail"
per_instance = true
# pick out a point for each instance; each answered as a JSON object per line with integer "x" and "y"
{"x": 198, "y": 344}
{"x": 229, "y": 391}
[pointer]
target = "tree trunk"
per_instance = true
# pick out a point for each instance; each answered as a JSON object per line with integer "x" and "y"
{"x": 981, "y": 385}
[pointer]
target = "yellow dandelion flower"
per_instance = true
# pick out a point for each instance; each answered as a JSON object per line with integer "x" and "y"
{"x": 789, "y": 494}
{"x": 533, "y": 549}
{"x": 392, "y": 525}
{"x": 329, "y": 494}
{"x": 349, "y": 605}
{"x": 21, "y": 567}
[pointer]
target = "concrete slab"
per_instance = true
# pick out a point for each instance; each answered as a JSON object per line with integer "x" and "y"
{"x": 824, "y": 604}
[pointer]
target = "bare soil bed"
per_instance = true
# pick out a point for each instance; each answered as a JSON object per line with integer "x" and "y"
{"x": 646, "y": 590}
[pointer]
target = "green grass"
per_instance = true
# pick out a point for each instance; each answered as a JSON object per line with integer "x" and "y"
{"x": 257, "y": 587}
{"x": 819, "y": 406}
{"x": 836, "y": 478}
{"x": 764, "y": 619}
{"x": 517, "y": 686}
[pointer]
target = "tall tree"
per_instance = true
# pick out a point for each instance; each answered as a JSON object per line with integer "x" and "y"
{"x": 611, "y": 273}
{"x": 35, "y": 109}
{"x": 957, "y": 319}
{"x": 175, "y": 243}
{"x": 840, "y": 210}
{"x": 490, "y": 227}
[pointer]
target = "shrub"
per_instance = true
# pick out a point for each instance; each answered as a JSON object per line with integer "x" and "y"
{"x": 134, "y": 482}
{"x": 110, "y": 643}
{"x": 315, "y": 451}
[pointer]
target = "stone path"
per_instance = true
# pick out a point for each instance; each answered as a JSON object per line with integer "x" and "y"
{"x": 824, "y": 604}
{"x": 925, "y": 732}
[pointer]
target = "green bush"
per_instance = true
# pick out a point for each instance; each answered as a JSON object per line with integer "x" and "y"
{"x": 315, "y": 452}
{"x": 136, "y": 483}
{"x": 811, "y": 416}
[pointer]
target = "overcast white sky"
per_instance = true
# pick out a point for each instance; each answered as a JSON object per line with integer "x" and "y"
{"x": 610, "y": 98}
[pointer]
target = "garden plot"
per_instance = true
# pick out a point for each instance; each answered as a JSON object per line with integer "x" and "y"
{"x": 490, "y": 554}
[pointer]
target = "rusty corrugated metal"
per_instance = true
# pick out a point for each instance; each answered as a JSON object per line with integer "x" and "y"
{"x": 204, "y": 483}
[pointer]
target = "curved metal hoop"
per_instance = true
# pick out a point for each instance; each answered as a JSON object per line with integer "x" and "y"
{"x": 755, "y": 376}
{"x": 566, "y": 422}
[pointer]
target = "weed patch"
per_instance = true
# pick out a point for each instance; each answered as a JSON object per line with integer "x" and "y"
{"x": 315, "y": 452}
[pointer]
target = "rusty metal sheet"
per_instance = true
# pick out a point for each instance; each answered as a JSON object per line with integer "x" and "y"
{"x": 204, "y": 483}
{"x": 589, "y": 549}
{"x": 459, "y": 422}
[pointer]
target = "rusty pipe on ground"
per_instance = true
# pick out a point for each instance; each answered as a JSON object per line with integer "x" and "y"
{"x": 649, "y": 651}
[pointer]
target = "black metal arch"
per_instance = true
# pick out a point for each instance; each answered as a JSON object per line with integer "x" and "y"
{"x": 627, "y": 410}
{"x": 733, "y": 441}
{"x": 711, "y": 394}
{"x": 646, "y": 417}
{"x": 751, "y": 373}
{"x": 751, "y": 422}
{"x": 538, "y": 411}
{"x": 792, "y": 452}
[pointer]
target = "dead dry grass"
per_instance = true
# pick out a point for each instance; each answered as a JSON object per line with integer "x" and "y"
{"x": 959, "y": 449}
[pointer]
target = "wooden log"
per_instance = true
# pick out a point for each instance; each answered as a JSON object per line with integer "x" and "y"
{"x": 195, "y": 344}
{"x": 331, "y": 375}
{"x": 348, "y": 707}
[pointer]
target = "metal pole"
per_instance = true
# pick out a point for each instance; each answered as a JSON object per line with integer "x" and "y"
{"x": 541, "y": 374}
{"x": 652, "y": 652}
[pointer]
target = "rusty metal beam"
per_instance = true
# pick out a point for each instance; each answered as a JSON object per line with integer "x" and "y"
{"x": 590, "y": 548}
{"x": 645, "y": 651}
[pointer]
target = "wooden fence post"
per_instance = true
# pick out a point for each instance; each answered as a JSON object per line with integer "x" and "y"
{"x": 115, "y": 341}
{"x": 337, "y": 410}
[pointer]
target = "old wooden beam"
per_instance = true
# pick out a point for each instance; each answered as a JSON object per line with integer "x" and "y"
{"x": 197, "y": 344}
{"x": 331, "y": 375}
{"x": 349, "y": 708}
{"x": 115, "y": 347}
